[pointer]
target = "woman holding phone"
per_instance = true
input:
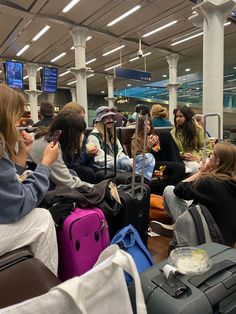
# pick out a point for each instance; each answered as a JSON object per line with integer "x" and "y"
{"x": 21, "y": 223}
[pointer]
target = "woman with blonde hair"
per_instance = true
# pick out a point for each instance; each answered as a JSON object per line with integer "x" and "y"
{"x": 74, "y": 106}
{"x": 21, "y": 223}
{"x": 159, "y": 116}
{"x": 214, "y": 186}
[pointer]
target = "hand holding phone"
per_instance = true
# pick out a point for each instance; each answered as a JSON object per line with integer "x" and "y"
{"x": 56, "y": 136}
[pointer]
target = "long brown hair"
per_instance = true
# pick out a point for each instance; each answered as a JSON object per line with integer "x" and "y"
{"x": 109, "y": 135}
{"x": 11, "y": 110}
{"x": 225, "y": 154}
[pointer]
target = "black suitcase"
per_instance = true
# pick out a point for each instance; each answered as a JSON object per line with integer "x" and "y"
{"x": 211, "y": 292}
{"x": 135, "y": 199}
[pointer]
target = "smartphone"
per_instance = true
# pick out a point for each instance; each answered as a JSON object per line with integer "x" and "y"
{"x": 56, "y": 136}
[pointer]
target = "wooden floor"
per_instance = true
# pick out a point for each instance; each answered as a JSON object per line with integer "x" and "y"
{"x": 158, "y": 247}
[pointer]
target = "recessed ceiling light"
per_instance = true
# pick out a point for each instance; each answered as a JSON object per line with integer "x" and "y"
{"x": 184, "y": 79}
{"x": 113, "y": 50}
{"x": 38, "y": 69}
{"x": 102, "y": 92}
{"x": 70, "y": 5}
{"x": 186, "y": 39}
{"x": 164, "y": 75}
{"x": 43, "y": 31}
{"x": 73, "y": 82}
{"x": 118, "y": 19}
{"x": 187, "y": 70}
{"x": 64, "y": 73}
{"x": 112, "y": 67}
{"x": 25, "y": 77}
{"x": 58, "y": 57}
{"x": 90, "y": 61}
{"x": 129, "y": 85}
{"x": 234, "y": 68}
{"x": 19, "y": 53}
{"x": 160, "y": 28}
{"x": 90, "y": 75}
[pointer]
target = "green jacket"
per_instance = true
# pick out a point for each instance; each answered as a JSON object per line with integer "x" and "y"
{"x": 199, "y": 142}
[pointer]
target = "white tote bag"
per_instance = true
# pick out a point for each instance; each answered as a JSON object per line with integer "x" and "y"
{"x": 101, "y": 290}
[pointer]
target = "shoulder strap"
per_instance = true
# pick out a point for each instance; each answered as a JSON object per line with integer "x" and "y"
{"x": 99, "y": 137}
{"x": 214, "y": 230}
{"x": 198, "y": 224}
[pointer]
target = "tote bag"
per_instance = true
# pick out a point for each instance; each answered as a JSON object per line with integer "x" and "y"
{"x": 103, "y": 289}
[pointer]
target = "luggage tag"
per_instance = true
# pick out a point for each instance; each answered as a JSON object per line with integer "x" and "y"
{"x": 114, "y": 192}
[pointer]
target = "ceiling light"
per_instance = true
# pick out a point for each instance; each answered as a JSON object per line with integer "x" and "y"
{"x": 58, "y": 57}
{"x": 70, "y": 5}
{"x": 113, "y": 50}
{"x": 73, "y": 82}
{"x": 227, "y": 23}
{"x": 160, "y": 28}
{"x": 0, "y": 71}
{"x": 229, "y": 75}
{"x": 90, "y": 75}
{"x": 64, "y": 73}
{"x": 129, "y": 85}
{"x": 22, "y": 50}
{"x": 88, "y": 38}
{"x": 102, "y": 92}
{"x": 90, "y": 61}
{"x": 25, "y": 77}
{"x": 231, "y": 80}
{"x": 164, "y": 75}
{"x": 44, "y": 30}
{"x": 146, "y": 54}
{"x": 118, "y": 19}
{"x": 187, "y": 70}
{"x": 186, "y": 39}
{"x": 114, "y": 66}
{"x": 234, "y": 68}
{"x": 38, "y": 69}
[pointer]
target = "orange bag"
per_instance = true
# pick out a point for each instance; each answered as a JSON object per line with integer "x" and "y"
{"x": 157, "y": 211}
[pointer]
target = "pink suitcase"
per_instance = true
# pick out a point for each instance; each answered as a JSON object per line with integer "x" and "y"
{"x": 83, "y": 237}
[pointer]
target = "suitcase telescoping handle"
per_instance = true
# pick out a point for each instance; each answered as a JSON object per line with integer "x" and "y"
{"x": 205, "y": 132}
{"x": 135, "y": 153}
{"x": 114, "y": 146}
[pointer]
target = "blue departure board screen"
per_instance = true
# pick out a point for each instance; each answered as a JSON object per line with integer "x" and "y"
{"x": 14, "y": 74}
{"x": 49, "y": 79}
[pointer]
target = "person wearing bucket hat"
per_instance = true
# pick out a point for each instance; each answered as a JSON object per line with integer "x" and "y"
{"x": 159, "y": 116}
{"x": 97, "y": 138}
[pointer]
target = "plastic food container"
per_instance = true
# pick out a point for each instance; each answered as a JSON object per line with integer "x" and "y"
{"x": 189, "y": 260}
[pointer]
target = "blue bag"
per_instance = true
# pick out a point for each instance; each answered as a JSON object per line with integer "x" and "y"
{"x": 128, "y": 239}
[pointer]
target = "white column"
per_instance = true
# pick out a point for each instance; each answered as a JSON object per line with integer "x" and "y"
{"x": 172, "y": 85}
{"x": 73, "y": 94}
{"x": 33, "y": 92}
{"x": 110, "y": 88}
{"x": 214, "y": 14}
{"x": 79, "y": 35}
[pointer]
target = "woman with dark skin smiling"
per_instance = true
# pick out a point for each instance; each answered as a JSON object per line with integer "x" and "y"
{"x": 189, "y": 138}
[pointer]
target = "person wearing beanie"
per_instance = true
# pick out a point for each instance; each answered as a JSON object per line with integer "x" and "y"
{"x": 46, "y": 114}
{"x": 159, "y": 116}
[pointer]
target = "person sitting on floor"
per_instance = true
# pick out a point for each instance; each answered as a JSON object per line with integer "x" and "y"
{"x": 21, "y": 223}
{"x": 214, "y": 186}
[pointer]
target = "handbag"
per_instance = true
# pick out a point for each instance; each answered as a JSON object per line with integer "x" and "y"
{"x": 101, "y": 290}
{"x": 129, "y": 240}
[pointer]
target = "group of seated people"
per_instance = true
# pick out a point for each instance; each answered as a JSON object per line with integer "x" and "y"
{"x": 212, "y": 183}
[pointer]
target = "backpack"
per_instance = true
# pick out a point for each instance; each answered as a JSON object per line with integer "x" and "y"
{"x": 128, "y": 239}
{"x": 195, "y": 227}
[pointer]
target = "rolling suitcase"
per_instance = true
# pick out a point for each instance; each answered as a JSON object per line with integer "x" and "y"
{"x": 23, "y": 277}
{"x": 83, "y": 237}
{"x": 135, "y": 199}
{"x": 211, "y": 292}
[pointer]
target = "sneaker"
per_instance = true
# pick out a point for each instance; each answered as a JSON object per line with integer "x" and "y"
{"x": 161, "y": 229}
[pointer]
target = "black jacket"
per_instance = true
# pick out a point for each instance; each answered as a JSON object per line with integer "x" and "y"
{"x": 219, "y": 196}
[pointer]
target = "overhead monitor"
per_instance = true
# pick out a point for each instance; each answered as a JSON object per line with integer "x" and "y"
{"x": 49, "y": 79}
{"x": 14, "y": 74}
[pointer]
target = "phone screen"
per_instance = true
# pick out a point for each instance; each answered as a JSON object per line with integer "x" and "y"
{"x": 56, "y": 136}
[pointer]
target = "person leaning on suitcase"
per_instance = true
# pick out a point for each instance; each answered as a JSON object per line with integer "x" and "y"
{"x": 214, "y": 186}
{"x": 21, "y": 223}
